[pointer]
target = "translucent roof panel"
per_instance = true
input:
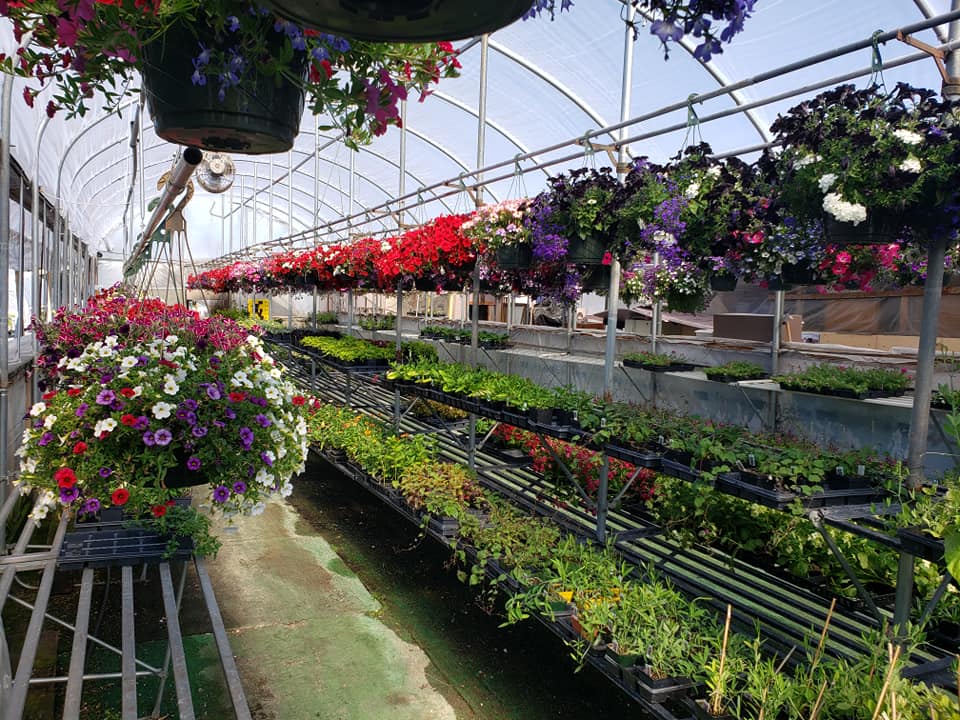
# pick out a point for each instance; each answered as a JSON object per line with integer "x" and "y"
{"x": 548, "y": 83}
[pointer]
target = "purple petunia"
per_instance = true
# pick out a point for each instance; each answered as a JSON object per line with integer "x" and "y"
{"x": 142, "y": 423}
{"x": 246, "y": 437}
{"x": 117, "y": 405}
{"x": 163, "y": 437}
{"x": 82, "y": 409}
{"x": 90, "y": 506}
{"x": 68, "y": 495}
{"x": 239, "y": 487}
{"x": 148, "y": 438}
{"x": 106, "y": 397}
{"x": 263, "y": 421}
{"x": 267, "y": 460}
{"x": 193, "y": 462}
{"x": 213, "y": 392}
{"x": 229, "y": 414}
{"x": 198, "y": 431}
{"x": 219, "y": 423}
{"x": 221, "y": 493}
{"x": 45, "y": 439}
{"x": 190, "y": 404}
{"x": 105, "y": 472}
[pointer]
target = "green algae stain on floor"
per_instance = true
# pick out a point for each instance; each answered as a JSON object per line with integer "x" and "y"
{"x": 304, "y": 631}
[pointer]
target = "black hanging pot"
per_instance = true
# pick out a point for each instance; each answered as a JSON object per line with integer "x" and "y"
{"x": 587, "y": 251}
{"x": 514, "y": 257}
{"x": 597, "y": 279}
{"x": 723, "y": 282}
{"x": 402, "y": 20}
{"x": 881, "y": 227}
{"x": 798, "y": 274}
{"x": 260, "y": 115}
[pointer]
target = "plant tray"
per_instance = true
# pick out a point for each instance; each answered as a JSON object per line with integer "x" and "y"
{"x": 102, "y": 548}
{"x": 921, "y": 545}
{"x": 516, "y": 419}
{"x": 659, "y": 691}
{"x": 640, "y": 458}
{"x": 445, "y": 527}
{"x": 732, "y": 484}
{"x": 844, "y": 392}
{"x": 701, "y": 712}
{"x": 733, "y": 378}
{"x": 679, "y": 470}
{"x": 672, "y": 367}
{"x": 511, "y": 456}
{"x": 561, "y": 432}
{"x": 833, "y": 498}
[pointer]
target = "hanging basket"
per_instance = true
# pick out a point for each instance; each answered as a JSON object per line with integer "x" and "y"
{"x": 589, "y": 251}
{"x": 597, "y": 279}
{"x": 881, "y": 227}
{"x": 799, "y": 274}
{"x": 723, "y": 282}
{"x": 427, "y": 284}
{"x": 261, "y": 115}
{"x": 401, "y": 20}
{"x": 514, "y": 257}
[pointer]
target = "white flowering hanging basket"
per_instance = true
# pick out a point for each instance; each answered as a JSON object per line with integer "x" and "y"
{"x": 881, "y": 226}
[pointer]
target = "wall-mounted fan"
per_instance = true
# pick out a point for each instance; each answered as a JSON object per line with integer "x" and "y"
{"x": 216, "y": 172}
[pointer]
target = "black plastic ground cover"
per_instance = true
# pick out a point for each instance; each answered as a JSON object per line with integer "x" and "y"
{"x": 789, "y": 615}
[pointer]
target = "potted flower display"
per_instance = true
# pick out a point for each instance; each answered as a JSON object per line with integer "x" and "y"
{"x": 131, "y": 418}
{"x": 500, "y": 228}
{"x": 218, "y": 74}
{"x": 870, "y": 164}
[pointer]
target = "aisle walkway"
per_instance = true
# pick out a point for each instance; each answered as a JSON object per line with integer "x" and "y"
{"x": 306, "y": 632}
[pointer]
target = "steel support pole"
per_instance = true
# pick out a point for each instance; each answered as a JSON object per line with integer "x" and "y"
{"x": 613, "y": 294}
{"x": 7, "y": 94}
{"x": 656, "y": 314}
{"x": 775, "y": 344}
{"x": 478, "y": 201}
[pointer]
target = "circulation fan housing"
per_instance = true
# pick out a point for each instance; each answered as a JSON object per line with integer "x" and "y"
{"x": 216, "y": 172}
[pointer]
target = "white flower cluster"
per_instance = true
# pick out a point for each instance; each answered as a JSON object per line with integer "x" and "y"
{"x": 908, "y": 137}
{"x": 844, "y": 211}
{"x": 911, "y": 165}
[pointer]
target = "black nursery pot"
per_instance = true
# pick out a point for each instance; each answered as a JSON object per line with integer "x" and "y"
{"x": 260, "y": 115}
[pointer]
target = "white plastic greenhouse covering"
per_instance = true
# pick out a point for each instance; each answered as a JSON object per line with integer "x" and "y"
{"x": 548, "y": 83}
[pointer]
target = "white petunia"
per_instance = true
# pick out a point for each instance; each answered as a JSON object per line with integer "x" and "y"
{"x": 37, "y": 409}
{"x": 170, "y": 387}
{"x": 107, "y": 425}
{"x": 258, "y": 509}
{"x": 908, "y": 137}
{"x": 111, "y": 340}
{"x": 692, "y": 190}
{"x": 162, "y": 410}
{"x": 911, "y": 165}
{"x": 826, "y": 182}
{"x": 844, "y": 211}
{"x": 286, "y": 490}
{"x": 49, "y": 421}
{"x": 128, "y": 362}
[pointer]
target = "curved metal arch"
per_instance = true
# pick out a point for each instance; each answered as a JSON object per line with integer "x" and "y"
{"x": 552, "y": 82}
{"x": 490, "y": 123}
{"x": 928, "y": 12}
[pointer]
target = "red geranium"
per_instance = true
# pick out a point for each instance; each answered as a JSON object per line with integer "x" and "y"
{"x": 120, "y": 496}
{"x": 79, "y": 447}
{"x": 159, "y": 510}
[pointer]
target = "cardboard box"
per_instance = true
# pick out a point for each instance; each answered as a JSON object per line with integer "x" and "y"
{"x": 749, "y": 326}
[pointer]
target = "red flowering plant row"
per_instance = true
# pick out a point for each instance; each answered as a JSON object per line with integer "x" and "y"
{"x": 436, "y": 252}
{"x": 584, "y": 464}
{"x": 131, "y": 418}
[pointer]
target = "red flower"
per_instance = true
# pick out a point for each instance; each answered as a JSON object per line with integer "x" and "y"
{"x": 171, "y": 503}
{"x": 73, "y": 392}
{"x": 49, "y": 395}
{"x": 238, "y": 397}
{"x": 607, "y": 258}
{"x": 128, "y": 420}
{"x": 65, "y": 477}
{"x": 79, "y": 447}
{"x": 299, "y": 400}
{"x": 159, "y": 510}
{"x": 128, "y": 392}
{"x": 120, "y": 496}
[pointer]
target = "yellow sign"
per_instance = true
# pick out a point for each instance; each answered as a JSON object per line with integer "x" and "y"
{"x": 249, "y": 308}
{"x": 261, "y": 308}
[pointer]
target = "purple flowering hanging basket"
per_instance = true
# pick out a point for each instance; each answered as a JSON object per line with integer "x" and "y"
{"x": 259, "y": 115}
{"x": 723, "y": 282}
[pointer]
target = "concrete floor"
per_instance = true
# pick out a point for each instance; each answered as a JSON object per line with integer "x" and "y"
{"x": 307, "y": 634}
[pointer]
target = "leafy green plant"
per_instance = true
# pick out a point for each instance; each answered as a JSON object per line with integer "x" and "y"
{"x": 180, "y": 522}
{"x": 655, "y": 359}
{"x": 831, "y": 378}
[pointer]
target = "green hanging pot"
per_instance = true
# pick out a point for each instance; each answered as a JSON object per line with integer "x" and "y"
{"x": 514, "y": 257}
{"x": 587, "y": 251}
{"x": 880, "y": 228}
{"x": 260, "y": 115}
{"x": 402, "y": 20}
